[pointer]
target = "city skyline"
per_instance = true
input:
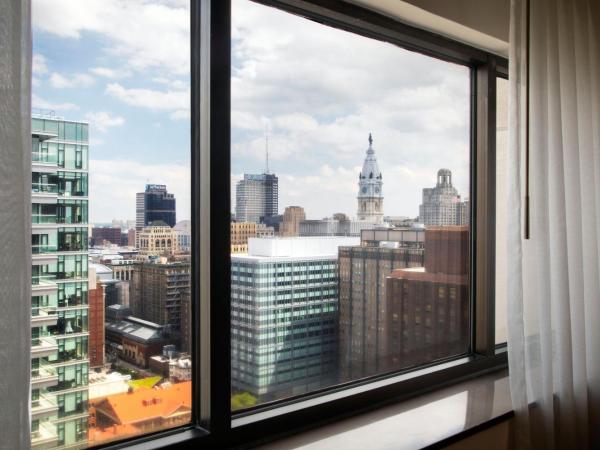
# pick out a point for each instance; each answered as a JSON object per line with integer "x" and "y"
{"x": 135, "y": 95}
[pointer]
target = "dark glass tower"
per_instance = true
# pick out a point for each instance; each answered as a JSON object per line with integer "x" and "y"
{"x": 153, "y": 205}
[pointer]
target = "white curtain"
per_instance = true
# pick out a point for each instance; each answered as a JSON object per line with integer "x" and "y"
{"x": 554, "y": 277}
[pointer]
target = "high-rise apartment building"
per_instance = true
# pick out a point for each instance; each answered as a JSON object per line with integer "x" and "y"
{"x": 442, "y": 205}
{"x": 257, "y": 196}
{"x": 370, "y": 184}
{"x": 428, "y": 307}
{"x": 158, "y": 291}
{"x": 364, "y": 347}
{"x": 292, "y": 217}
{"x": 154, "y": 204}
{"x": 284, "y": 306}
{"x": 59, "y": 278}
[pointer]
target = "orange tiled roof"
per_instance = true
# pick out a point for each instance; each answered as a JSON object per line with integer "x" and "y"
{"x": 145, "y": 404}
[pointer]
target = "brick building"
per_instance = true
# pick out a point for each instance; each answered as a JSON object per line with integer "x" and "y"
{"x": 428, "y": 307}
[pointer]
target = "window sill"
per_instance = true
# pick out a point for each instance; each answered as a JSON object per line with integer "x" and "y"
{"x": 432, "y": 419}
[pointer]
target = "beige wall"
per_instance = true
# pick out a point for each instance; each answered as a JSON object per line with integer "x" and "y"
{"x": 480, "y": 23}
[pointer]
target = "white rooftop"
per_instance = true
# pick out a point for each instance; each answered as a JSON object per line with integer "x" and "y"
{"x": 297, "y": 247}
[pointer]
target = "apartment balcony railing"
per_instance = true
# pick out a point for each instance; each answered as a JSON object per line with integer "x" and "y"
{"x": 44, "y": 437}
{"x": 44, "y": 406}
{"x": 43, "y": 377}
{"x": 43, "y": 347}
{"x": 37, "y": 249}
{"x": 44, "y": 188}
{"x": 43, "y": 317}
{"x": 42, "y": 279}
{"x": 42, "y": 157}
{"x": 72, "y": 301}
{"x": 73, "y": 193}
{"x": 71, "y": 247}
{"x": 70, "y": 220}
{"x": 71, "y": 275}
{"x": 43, "y": 218}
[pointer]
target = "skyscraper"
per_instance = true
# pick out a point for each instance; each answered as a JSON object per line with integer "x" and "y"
{"x": 292, "y": 217}
{"x": 257, "y": 196}
{"x": 59, "y": 283}
{"x": 442, "y": 204}
{"x": 370, "y": 183}
{"x": 154, "y": 204}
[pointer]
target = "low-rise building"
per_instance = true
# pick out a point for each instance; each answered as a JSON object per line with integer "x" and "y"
{"x": 157, "y": 240}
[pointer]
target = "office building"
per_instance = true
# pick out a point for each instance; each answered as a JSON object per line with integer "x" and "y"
{"x": 96, "y": 299}
{"x": 442, "y": 205}
{"x": 101, "y": 235}
{"x": 428, "y": 315}
{"x": 154, "y": 204}
{"x": 370, "y": 188}
{"x": 242, "y": 231}
{"x": 257, "y": 197}
{"x": 292, "y": 217}
{"x": 159, "y": 292}
{"x": 363, "y": 313}
{"x": 59, "y": 279}
{"x": 158, "y": 239}
{"x": 284, "y": 306}
{"x": 334, "y": 227}
{"x": 183, "y": 230}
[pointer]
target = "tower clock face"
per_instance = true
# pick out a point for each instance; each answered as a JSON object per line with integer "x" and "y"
{"x": 364, "y": 190}
{"x": 377, "y": 190}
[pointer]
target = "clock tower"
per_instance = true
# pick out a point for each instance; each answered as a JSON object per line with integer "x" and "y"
{"x": 370, "y": 195}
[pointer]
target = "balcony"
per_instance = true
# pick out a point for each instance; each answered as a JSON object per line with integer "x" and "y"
{"x": 44, "y": 346}
{"x": 40, "y": 249}
{"x": 43, "y": 218}
{"x": 43, "y": 317}
{"x": 43, "y": 377}
{"x": 43, "y": 284}
{"x": 44, "y": 406}
{"x": 44, "y": 437}
{"x": 44, "y": 162}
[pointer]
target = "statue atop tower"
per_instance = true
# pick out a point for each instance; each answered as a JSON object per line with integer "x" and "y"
{"x": 370, "y": 183}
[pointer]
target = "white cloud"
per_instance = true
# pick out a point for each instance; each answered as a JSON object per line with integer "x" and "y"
{"x": 323, "y": 91}
{"x": 76, "y": 80}
{"x": 102, "y": 121}
{"x": 114, "y": 183}
{"x": 109, "y": 73}
{"x": 40, "y": 103}
{"x": 38, "y": 64}
{"x": 152, "y": 99}
{"x": 145, "y": 34}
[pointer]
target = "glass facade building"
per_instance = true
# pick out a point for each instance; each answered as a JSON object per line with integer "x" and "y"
{"x": 284, "y": 316}
{"x": 154, "y": 204}
{"x": 59, "y": 280}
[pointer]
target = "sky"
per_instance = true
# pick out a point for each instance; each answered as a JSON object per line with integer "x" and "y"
{"x": 317, "y": 92}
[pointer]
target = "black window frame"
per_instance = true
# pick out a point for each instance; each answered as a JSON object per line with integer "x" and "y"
{"x": 213, "y": 425}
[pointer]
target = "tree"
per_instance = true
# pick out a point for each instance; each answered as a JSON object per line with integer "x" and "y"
{"x": 242, "y": 400}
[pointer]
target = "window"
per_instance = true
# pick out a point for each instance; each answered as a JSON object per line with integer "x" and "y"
{"x": 111, "y": 318}
{"x": 321, "y": 118}
{"x": 501, "y": 213}
{"x": 340, "y": 191}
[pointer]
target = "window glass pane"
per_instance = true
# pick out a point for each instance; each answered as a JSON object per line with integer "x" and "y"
{"x": 111, "y": 233}
{"x": 350, "y": 184}
{"x": 501, "y": 206}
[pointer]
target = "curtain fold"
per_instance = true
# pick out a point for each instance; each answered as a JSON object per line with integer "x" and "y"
{"x": 554, "y": 277}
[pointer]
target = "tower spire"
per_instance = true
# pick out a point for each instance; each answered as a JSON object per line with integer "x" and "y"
{"x": 267, "y": 151}
{"x": 370, "y": 139}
